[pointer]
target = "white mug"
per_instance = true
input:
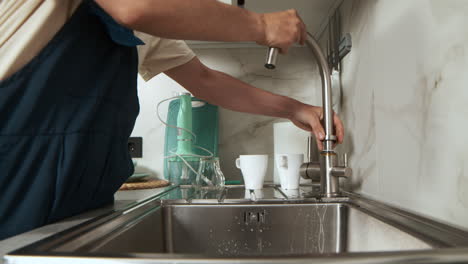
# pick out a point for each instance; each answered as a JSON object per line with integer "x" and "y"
{"x": 254, "y": 168}
{"x": 288, "y": 166}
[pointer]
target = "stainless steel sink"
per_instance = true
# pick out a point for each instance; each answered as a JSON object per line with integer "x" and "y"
{"x": 255, "y": 231}
{"x": 179, "y": 227}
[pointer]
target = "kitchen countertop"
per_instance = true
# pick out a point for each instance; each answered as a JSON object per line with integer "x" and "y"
{"x": 122, "y": 199}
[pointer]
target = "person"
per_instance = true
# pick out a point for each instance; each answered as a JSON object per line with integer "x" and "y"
{"x": 68, "y": 72}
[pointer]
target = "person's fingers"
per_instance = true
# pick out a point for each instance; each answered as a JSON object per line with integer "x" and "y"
{"x": 282, "y": 30}
{"x": 321, "y": 113}
{"x": 319, "y": 144}
{"x": 303, "y": 32}
{"x": 339, "y": 128}
{"x": 317, "y": 129}
{"x": 299, "y": 28}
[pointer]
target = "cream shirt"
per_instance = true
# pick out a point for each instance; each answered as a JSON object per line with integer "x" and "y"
{"x": 26, "y": 26}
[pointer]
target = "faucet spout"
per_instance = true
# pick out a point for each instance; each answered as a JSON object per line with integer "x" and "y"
{"x": 325, "y": 75}
{"x": 327, "y": 166}
{"x": 327, "y": 122}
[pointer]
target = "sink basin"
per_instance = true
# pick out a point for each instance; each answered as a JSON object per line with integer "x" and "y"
{"x": 258, "y": 230}
{"x": 168, "y": 230}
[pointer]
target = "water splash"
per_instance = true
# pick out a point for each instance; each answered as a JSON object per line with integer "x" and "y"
{"x": 321, "y": 231}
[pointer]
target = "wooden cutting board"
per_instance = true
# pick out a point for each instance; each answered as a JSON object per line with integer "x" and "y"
{"x": 148, "y": 183}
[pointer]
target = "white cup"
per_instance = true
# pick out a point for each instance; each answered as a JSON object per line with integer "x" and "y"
{"x": 254, "y": 168}
{"x": 288, "y": 166}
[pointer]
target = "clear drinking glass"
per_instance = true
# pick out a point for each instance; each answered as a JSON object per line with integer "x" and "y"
{"x": 210, "y": 175}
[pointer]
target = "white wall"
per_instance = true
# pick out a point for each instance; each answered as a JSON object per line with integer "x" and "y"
{"x": 406, "y": 104}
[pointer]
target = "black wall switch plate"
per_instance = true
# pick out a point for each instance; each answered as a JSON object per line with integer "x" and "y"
{"x": 135, "y": 147}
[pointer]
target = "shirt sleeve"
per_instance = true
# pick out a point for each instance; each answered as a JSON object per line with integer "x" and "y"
{"x": 159, "y": 55}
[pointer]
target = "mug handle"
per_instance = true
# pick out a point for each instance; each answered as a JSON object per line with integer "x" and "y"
{"x": 238, "y": 163}
{"x": 283, "y": 162}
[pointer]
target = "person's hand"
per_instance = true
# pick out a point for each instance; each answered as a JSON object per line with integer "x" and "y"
{"x": 308, "y": 117}
{"x": 282, "y": 29}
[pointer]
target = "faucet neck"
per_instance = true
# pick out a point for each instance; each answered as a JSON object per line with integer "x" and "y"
{"x": 330, "y": 137}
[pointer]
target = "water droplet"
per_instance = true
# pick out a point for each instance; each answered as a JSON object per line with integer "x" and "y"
{"x": 251, "y": 230}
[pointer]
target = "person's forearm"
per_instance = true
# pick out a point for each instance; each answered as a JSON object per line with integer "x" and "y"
{"x": 221, "y": 89}
{"x": 241, "y": 97}
{"x": 187, "y": 19}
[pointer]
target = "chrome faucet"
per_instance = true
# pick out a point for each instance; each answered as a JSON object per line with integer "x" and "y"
{"x": 326, "y": 169}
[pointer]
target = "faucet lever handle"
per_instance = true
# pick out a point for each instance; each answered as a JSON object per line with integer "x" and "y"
{"x": 343, "y": 171}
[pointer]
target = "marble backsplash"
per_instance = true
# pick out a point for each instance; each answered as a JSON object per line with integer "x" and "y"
{"x": 405, "y": 104}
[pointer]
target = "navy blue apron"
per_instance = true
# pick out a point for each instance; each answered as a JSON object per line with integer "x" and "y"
{"x": 65, "y": 119}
